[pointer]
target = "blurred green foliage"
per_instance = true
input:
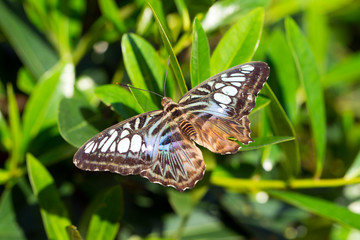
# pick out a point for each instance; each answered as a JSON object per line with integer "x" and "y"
{"x": 60, "y": 61}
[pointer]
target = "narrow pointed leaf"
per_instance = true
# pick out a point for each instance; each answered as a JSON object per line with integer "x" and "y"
{"x": 144, "y": 68}
{"x": 282, "y": 126}
{"x": 42, "y": 108}
{"x": 239, "y": 43}
{"x": 15, "y": 129}
{"x": 35, "y": 54}
{"x": 104, "y": 223}
{"x": 310, "y": 78}
{"x": 173, "y": 60}
{"x": 265, "y": 141}
{"x": 200, "y": 55}
{"x": 285, "y": 70}
{"x": 54, "y": 215}
{"x": 320, "y": 207}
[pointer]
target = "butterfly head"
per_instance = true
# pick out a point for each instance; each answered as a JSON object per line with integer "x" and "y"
{"x": 165, "y": 101}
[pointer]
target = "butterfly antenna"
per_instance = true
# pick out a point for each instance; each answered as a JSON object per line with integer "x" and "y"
{"x": 167, "y": 68}
{"x": 129, "y": 86}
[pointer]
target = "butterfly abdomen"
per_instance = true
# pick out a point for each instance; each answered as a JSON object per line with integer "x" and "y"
{"x": 187, "y": 128}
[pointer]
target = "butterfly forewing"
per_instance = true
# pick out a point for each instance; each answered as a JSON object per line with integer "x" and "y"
{"x": 159, "y": 145}
{"x": 218, "y": 107}
{"x": 120, "y": 148}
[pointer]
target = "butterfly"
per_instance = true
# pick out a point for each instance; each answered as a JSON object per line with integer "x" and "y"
{"x": 160, "y": 145}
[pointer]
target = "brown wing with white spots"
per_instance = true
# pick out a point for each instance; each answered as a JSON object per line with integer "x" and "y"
{"x": 120, "y": 148}
{"x": 148, "y": 144}
{"x": 222, "y": 112}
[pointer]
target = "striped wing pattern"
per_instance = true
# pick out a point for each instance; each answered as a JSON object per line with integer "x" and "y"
{"x": 160, "y": 145}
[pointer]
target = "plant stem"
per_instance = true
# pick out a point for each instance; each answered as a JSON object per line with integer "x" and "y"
{"x": 246, "y": 184}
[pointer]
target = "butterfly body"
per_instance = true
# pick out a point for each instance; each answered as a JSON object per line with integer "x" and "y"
{"x": 160, "y": 145}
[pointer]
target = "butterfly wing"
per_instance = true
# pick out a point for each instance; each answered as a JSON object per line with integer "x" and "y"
{"x": 218, "y": 107}
{"x": 118, "y": 148}
{"x": 177, "y": 162}
{"x": 148, "y": 144}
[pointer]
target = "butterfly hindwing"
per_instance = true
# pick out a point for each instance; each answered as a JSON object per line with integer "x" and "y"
{"x": 177, "y": 162}
{"x": 222, "y": 112}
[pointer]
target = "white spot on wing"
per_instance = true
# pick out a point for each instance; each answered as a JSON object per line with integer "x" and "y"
{"x": 221, "y": 98}
{"x": 136, "y": 143}
{"x": 229, "y": 90}
{"x": 236, "y": 84}
{"x": 113, "y": 147}
{"x": 250, "y": 97}
{"x": 89, "y": 146}
{"x": 103, "y": 141}
{"x": 109, "y": 141}
{"x": 127, "y": 125}
{"x": 224, "y": 75}
{"x": 124, "y": 133}
{"x": 223, "y": 106}
{"x": 123, "y": 145}
{"x": 247, "y": 67}
{"x": 234, "y": 79}
{"x": 111, "y": 131}
{"x": 137, "y": 122}
{"x": 236, "y": 75}
{"x": 203, "y": 90}
{"x": 211, "y": 83}
{"x": 219, "y": 85}
{"x": 95, "y": 147}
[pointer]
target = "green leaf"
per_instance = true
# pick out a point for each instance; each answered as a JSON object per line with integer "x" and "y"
{"x": 282, "y": 126}
{"x": 284, "y": 66}
{"x": 265, "y": 141}
{"x": 318, "y": 32}
{"x": 9, "y": 228}
{"x": 310, "y": 78}
{"x": 239, "y": 43}
{"x": 141, "y": 100}
{"x": 181, "y": 202}
{"x": 156, "y": 6}
{"x": 25, "y": 81}
{"x": 15, "y": 129}
{"x": 104, "y": 223}
{"x": 200, "y": 55}
{"x": 109, "y": 10}
{"x": 261, "y": 102}
{"x": 80, "y": 127}
{"x": 34, "y": 53}
{"x": 184, "y": 13}
{"x": 345, "y": 72}
{"x": 54, "y": 215}
{"x": 173, "y": 60}
{"x": 42, "y": 108}
{"x": 354, "y": 170}
{"x": 320, "y": 207}
{"x": 143, "y": 66}
{"x": 227, "y": 11}
{"x": 119, "y": 99}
